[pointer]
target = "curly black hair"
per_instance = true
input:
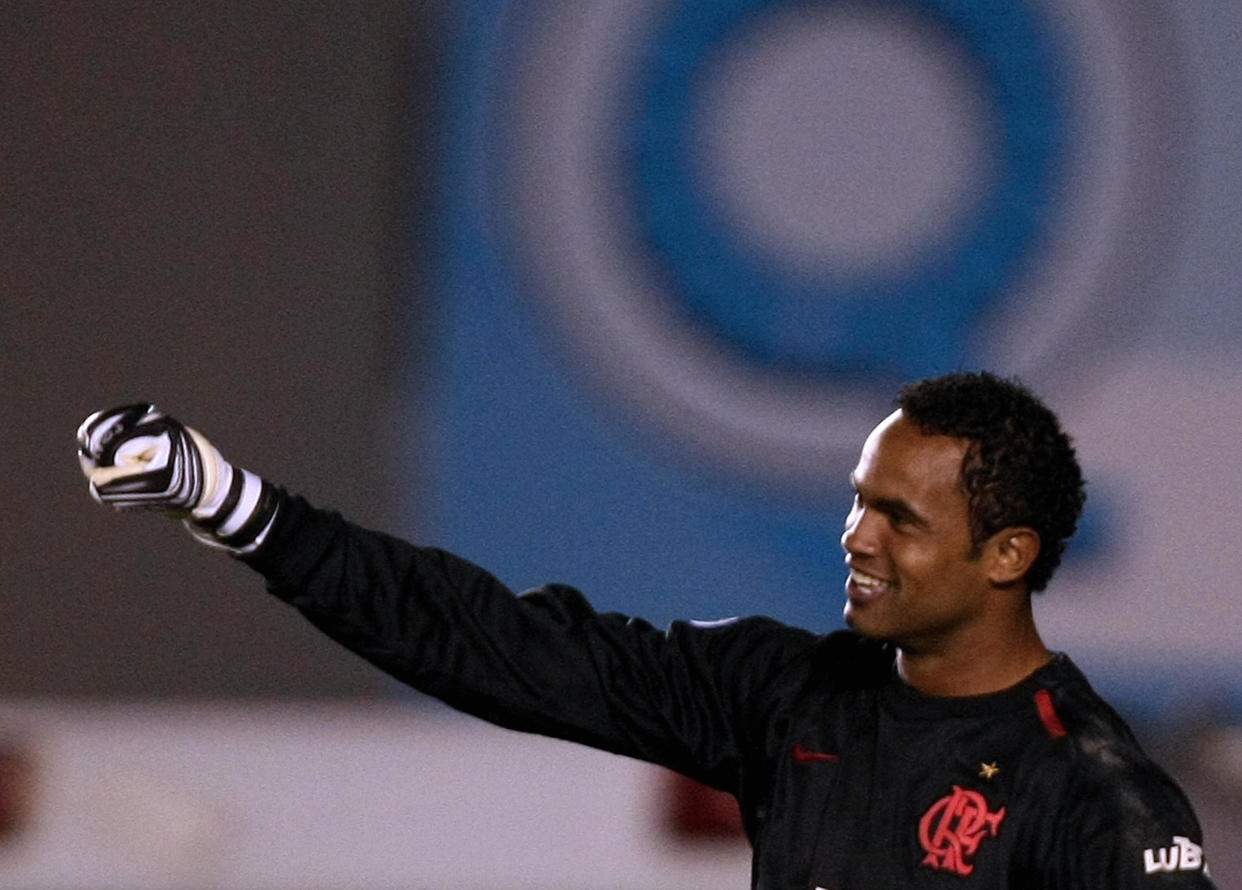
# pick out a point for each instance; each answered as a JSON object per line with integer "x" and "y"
{"x": 1020, "y": 467}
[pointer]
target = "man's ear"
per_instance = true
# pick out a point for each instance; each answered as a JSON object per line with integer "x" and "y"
{"x": 1012, "y": 551}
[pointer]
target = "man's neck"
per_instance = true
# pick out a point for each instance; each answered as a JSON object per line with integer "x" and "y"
{"x": 964, "y": 669}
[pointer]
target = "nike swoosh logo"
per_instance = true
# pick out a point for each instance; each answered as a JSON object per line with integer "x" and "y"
{"x": 806, "y": 755}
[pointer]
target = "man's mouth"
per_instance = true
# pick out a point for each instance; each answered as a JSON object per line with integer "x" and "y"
{"x": 864, "y": 587}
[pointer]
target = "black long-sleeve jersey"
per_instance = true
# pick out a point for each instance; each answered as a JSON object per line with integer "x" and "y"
{"x": 847, "y": 778}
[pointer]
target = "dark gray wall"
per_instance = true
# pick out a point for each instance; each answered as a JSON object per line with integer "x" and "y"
{"x": 210, "y": 205}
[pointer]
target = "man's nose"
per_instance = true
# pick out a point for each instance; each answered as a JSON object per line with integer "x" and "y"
{"x": 859, "y": 536}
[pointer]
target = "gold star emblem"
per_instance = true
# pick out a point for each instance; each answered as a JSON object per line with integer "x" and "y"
{"x": 988, "y": 770}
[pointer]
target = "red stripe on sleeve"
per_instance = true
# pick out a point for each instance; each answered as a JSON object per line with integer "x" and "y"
{"x": 1048, "y": 714}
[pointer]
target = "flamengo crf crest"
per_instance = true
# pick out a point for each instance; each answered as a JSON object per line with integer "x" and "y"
{"x": 953, "y": 828}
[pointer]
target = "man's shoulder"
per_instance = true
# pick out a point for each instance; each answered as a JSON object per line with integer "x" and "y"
{"x": 797, "y": 658}
{"x": 1107, "y": 763}
{"x": 846, "y": 658}
{"x": 1095, "y": 732}
{"x": 851, "y": 644}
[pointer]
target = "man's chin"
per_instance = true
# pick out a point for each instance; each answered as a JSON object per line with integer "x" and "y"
{"x": 857, "y": 620}
{"x": 853, "y": 620}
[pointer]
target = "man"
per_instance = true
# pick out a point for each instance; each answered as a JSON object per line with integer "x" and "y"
{"x": 938, "y": 743}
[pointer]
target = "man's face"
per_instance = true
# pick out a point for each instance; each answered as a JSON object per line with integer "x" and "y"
{"x": 913, "y": 577}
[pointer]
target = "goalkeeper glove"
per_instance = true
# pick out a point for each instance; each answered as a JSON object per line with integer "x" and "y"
{"x": 137, "y": 457}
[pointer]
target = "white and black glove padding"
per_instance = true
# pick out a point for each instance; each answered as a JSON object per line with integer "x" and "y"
{"x": 137, "y": 457}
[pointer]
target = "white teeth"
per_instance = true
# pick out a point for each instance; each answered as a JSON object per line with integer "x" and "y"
{"x": 865, "y": 581}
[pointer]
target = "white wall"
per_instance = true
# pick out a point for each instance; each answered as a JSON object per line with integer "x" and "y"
{"x": 334, "y": 796}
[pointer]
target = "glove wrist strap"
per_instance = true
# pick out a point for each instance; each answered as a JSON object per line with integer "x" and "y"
{"x": 237, "y": 516}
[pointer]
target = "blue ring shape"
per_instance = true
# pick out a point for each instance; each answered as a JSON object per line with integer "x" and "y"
{"x": 906, "y": 324}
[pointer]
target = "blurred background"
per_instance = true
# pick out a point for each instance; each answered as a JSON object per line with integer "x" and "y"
{"x": 604, "y": 293}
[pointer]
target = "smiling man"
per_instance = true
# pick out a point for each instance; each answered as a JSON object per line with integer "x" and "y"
{"x": 964, "y": 498}
{"x": 937, "y": 743}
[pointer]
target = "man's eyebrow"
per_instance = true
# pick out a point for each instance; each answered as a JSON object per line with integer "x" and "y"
{"x": 893, "y": 507}
{"x": 900, "y": 509}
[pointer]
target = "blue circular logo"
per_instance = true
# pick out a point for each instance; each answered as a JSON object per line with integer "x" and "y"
{"x": 899, "y": 322}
